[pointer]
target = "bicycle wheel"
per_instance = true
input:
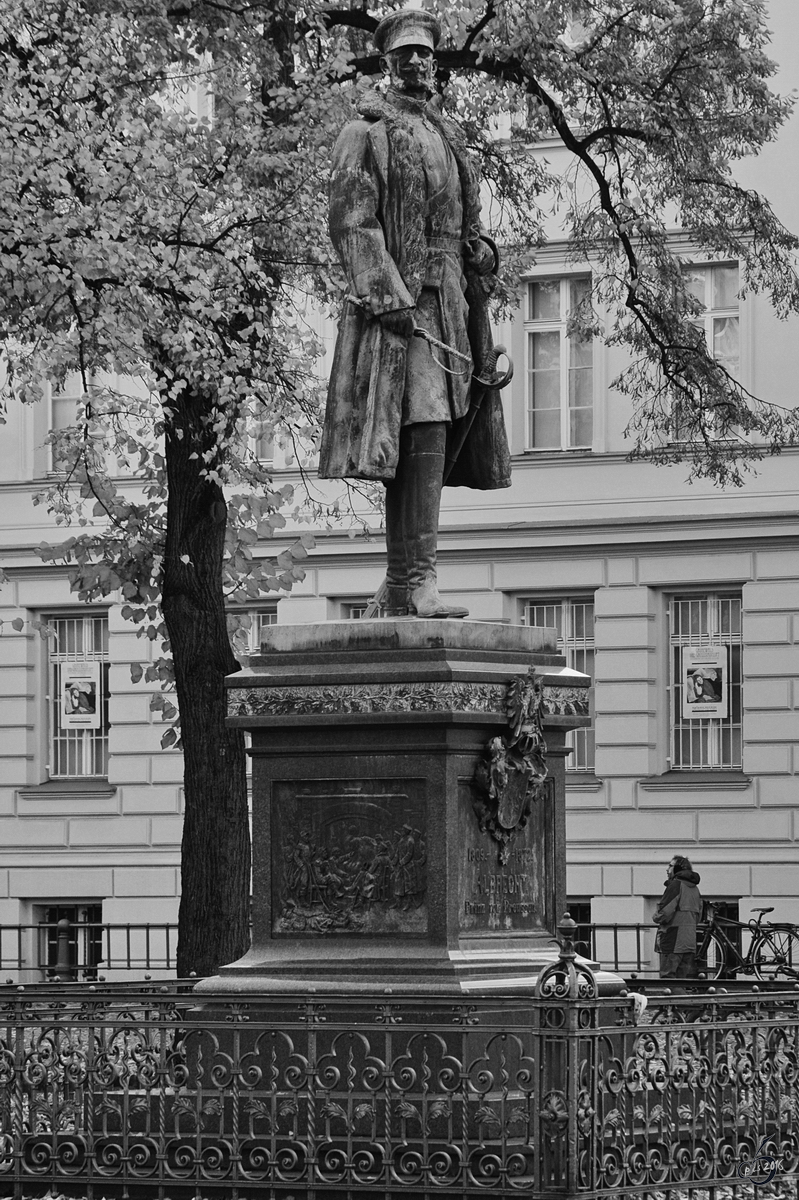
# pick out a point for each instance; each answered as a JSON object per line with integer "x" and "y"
{"x": 710, "y": 957}
{"x": 775, "y": 955}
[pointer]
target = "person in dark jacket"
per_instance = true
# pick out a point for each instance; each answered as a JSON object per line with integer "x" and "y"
{"x": 677, "y": 915}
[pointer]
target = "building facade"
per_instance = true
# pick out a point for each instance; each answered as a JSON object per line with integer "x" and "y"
{"x": 681, "y": 600}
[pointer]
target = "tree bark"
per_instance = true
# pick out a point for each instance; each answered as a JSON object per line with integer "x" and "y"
{"x": 213, "y": 921}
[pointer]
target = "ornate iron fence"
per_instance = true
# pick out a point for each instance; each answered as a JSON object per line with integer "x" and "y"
{"x": 106, "y": 1091}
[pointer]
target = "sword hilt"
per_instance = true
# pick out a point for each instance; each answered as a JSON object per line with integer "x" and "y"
{"x": 494, "y": 380}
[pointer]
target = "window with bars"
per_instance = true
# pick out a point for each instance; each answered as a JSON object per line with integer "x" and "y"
{"x": 560, "y": 376}
{"x": 78, "y": 695}
{"x": 573, "y": 617}
{"x": 77, "y": 699}
{"x": 85, "y": 942}
{"x": 705, "y": 681}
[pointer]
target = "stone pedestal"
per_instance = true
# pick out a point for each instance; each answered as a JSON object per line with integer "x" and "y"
{"x": 381, "y": 859}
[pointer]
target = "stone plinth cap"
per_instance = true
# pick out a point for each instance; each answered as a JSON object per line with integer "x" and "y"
{"x": 335, "y": 637}
{"x": 405, "y": 669}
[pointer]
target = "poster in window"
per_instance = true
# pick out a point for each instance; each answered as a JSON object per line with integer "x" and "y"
{"x": 704, "y": 682}
{"x": 80, "y": 695}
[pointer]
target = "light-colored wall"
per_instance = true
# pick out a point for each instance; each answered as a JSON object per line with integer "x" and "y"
{"x": 118, "y": 846}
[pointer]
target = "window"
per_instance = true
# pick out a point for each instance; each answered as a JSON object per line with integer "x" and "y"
{"x": 716, "y": 289}
{"x": 116, "y": 429}
{"x": 560, "y": 379}
{"x": 78, "y": 695}
{"x": 258, "y": 440}
{"x": 574, "y": 620}
{"x": 260, "y": 620}
{"x": 245, "y": 627}
{"x": 263, "y": 447}
{"x": 83, "y": 948}
{"x": 355, "y": 610}
{"x": 580, "y": 913}
{"x": 705, "y": 681}
{"x": 58, "y": 412}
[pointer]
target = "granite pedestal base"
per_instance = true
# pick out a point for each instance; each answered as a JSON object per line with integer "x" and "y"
{"x": 380, "y": 861}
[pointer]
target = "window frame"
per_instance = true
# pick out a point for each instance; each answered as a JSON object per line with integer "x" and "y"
{"x": 247, "y": 641}
{"x": 713, "y": 313}
{"x": 259, "y": 620}
{"x": 705, "y": 323}
{"x": 582, "y": 760}
{"x": 85, "y": 940}
{"x": 261, "y": 446}
{"x": 532, "y": 326}
{"x": 579, "y": 909}
{"x": 708, "y": 732}
{"x": 91, "y": 741}
{"x": 347, "y": 609}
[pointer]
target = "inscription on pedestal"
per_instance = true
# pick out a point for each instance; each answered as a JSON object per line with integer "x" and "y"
{"x": 510, "y": 897}
{"x": 349, "y": 857}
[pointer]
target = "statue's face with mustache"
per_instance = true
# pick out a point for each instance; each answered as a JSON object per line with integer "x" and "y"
{"x": 411, "y": 69}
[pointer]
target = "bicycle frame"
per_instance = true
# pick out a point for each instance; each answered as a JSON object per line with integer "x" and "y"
{"x": 734, "y": 960}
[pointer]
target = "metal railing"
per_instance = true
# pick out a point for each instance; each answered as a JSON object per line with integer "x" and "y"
{"x": 146, "y": 1092}
{"x": 86, "y": 950}
{"x": 94, "y": 951}
{"x": 628, "y": 949}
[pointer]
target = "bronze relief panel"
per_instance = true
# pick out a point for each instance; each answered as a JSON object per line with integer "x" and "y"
{"x": 349, "y": 857}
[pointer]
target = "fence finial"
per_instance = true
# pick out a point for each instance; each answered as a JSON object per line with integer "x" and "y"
{"x": 566, "y": 979}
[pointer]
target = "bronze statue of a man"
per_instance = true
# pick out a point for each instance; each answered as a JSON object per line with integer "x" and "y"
{"x": 404, "y": 218}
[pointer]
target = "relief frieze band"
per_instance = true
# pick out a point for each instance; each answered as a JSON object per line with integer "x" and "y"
{"x": 394, "y": 697}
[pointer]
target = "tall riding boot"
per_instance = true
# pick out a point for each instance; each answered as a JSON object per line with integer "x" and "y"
{"x": 395, "y": 602}
{"x": 422, "y": 454}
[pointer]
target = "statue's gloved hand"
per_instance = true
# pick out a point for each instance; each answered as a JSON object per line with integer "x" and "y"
{"x": 480, "y": 256}
{"x": 400, "y": 322}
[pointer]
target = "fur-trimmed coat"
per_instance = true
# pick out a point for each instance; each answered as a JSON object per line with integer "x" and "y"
{"x": 378, "y": 208}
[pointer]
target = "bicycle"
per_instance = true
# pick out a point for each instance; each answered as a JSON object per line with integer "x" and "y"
{"x": 773, "y": 949}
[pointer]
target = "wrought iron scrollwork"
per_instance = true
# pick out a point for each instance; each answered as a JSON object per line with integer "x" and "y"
{"x": 148, "y": 1093}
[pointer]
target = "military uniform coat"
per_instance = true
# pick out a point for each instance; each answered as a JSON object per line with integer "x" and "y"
{"x": 386, "y": 227}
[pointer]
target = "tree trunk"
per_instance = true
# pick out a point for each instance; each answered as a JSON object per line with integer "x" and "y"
{"x": 213, "y": 922}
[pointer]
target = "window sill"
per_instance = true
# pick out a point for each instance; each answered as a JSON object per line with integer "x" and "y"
{"x": 557, "y": 453}
{"x": 582, "y": 781}
{"x": 69, "y": 789}
{"x": 702, "y": 780}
